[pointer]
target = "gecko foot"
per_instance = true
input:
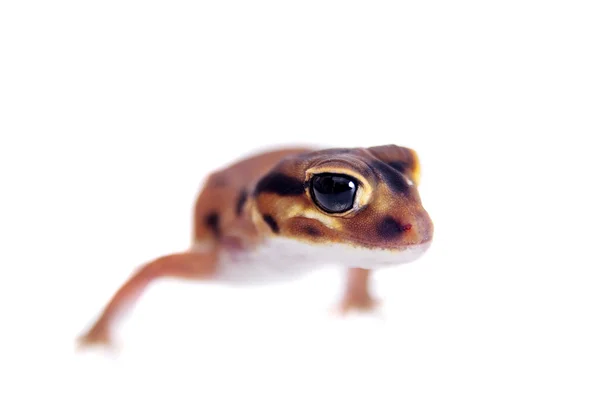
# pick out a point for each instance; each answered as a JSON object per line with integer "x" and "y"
{"x": 357, "y": 296}
{"x": 353, "y": 302}
{"x": 97, "y": 336}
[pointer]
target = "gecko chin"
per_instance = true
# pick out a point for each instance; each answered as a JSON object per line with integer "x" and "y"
{"x": 374, "y": 258}
{"x": 348, "y": 255}
{"x": 281, "y": 258}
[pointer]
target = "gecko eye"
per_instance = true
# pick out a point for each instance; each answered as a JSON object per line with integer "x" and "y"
{"x": 333, "y": 193}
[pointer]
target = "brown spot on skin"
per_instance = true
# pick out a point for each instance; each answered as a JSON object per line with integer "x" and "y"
{"x": 390, "y": 229}
{"x": 312, "y": 231}
{"x": 271, "y": 222}
{"x": 212, "y": 221}
{"x": 304, "y": 226}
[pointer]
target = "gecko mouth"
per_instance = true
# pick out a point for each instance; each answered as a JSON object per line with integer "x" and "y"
{"x": 379, "y": 256}
{"x": 391, "y": 246}
{"x": 292, "y": 251}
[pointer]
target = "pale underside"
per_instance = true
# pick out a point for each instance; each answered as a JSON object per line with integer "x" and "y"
{"x": 280, "y": 259}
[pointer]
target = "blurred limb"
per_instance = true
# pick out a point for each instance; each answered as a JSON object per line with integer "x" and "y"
{"x": 357, "y": 295}
{"x": 186, "y": 265}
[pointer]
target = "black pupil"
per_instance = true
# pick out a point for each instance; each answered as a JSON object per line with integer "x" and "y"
{"x": 333, "y": 193}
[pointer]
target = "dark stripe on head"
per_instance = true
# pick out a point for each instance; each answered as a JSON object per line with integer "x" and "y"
{"x": 389, "y": 228}
{"x": 394, "y": 179}
{"x": 212, "y": 221}
{"x": 239, "y": 206}
{"x": 280, "y": 184}
{"x": 400, "y": 166}
{"x": 271, "y": 222}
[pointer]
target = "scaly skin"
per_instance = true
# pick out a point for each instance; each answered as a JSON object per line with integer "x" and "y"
{"x": 266, "y": 204}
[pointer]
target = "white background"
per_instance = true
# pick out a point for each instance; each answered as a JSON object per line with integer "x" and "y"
{"x": 112, "y": 113}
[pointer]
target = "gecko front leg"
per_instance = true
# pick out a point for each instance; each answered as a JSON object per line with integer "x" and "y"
{"x": 186, "y": 265}
{"x": 357, "y": 295}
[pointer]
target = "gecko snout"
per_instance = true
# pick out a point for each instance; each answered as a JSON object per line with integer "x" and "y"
{"x": 425, "y": 226}
{"x": 407, "y": 228}
{"x": 415, "y": 228}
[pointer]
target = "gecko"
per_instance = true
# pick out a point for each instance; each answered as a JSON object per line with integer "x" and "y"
{"x": 281, "y": 213}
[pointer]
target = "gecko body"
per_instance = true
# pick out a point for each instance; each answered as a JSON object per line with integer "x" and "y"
{"x": 282, "y": 213}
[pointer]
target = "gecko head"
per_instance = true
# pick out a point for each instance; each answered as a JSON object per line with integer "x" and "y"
{"x": 356, "y": 205}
